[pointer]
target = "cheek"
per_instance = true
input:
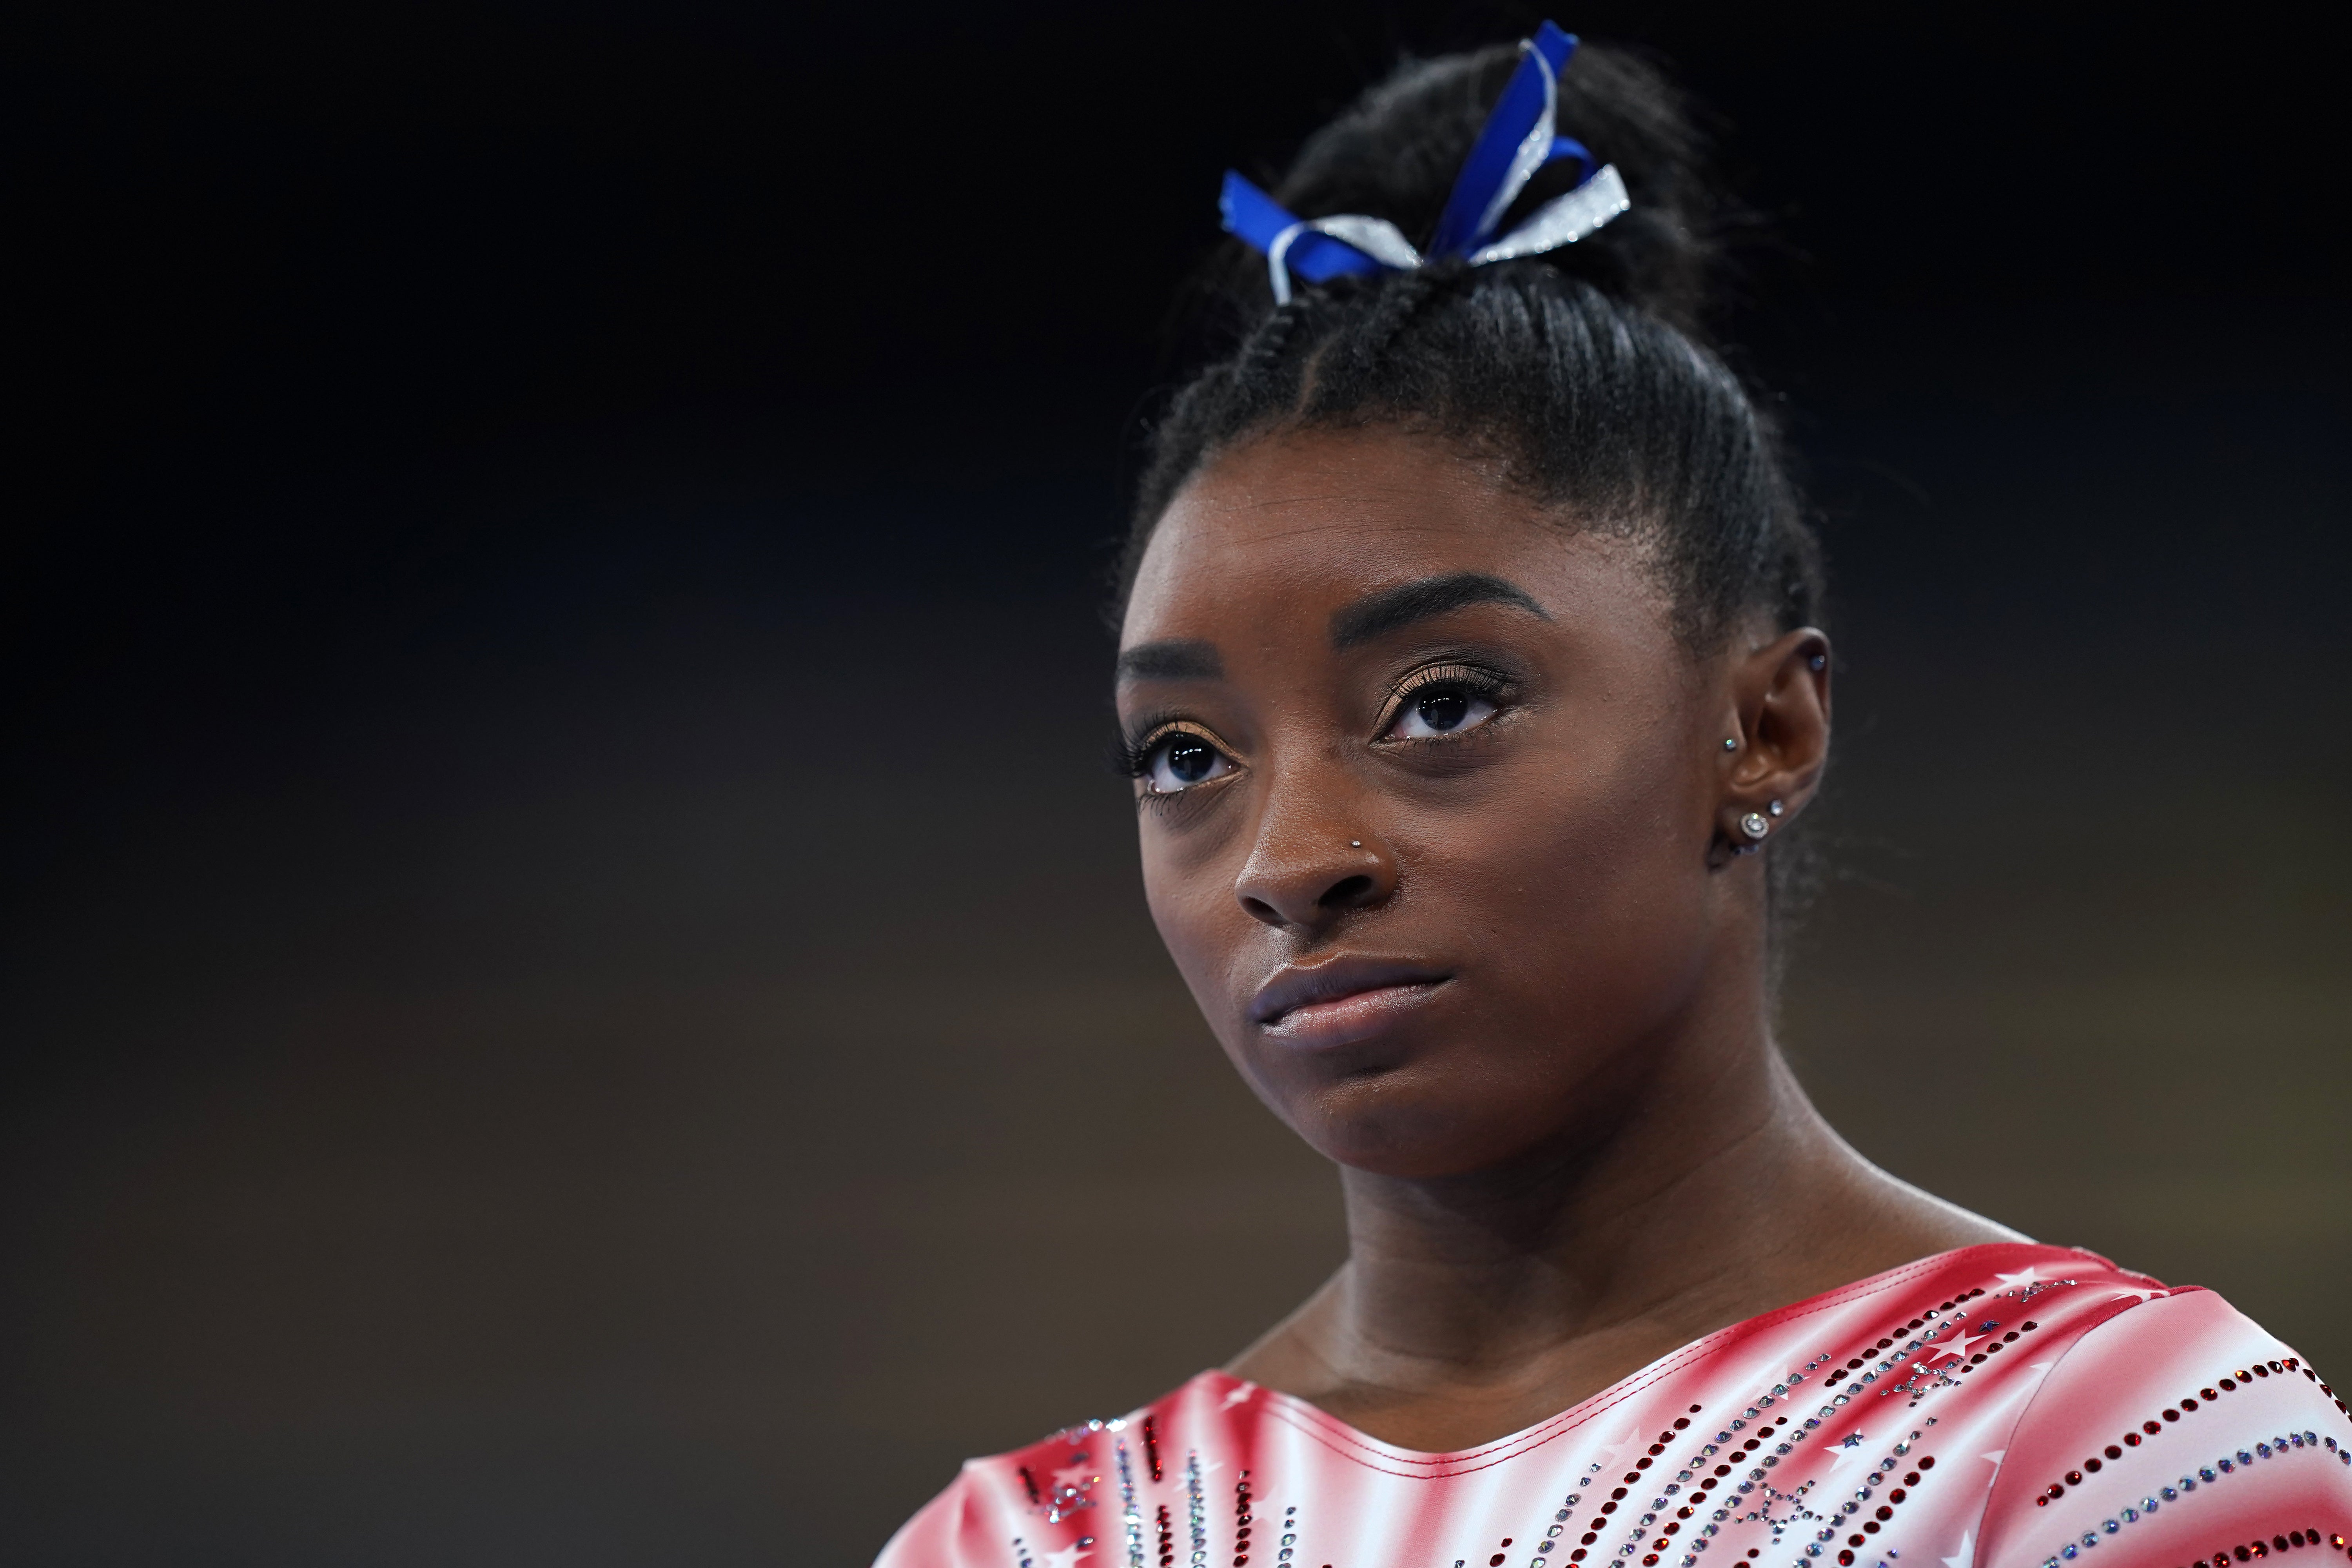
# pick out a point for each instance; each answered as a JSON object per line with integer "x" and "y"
{"x": 1220, "y": 951}
{"x": 1189, "y": 890}
{"x": 1582, "y": 841}
{"x": 1584, "y": 901}
{"x": 1579, "y": 917}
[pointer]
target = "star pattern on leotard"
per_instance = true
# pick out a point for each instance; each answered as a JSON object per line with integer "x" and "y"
{"x": 1841, "y": 1449}
{"x": 1613, "y": 1453}
{"x": 1073, "y": 1488}
{"x": 1781, "y": 1510}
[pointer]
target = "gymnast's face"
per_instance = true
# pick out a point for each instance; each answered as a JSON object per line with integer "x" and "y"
{"x": 1431, "y": 799}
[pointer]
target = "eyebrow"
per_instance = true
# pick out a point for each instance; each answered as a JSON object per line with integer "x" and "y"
{"x": 1377, "y": 614}
{"x": 1177, "y": 658}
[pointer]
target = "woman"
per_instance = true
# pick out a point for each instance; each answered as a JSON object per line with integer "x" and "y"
{"x": 1472, "y": 678}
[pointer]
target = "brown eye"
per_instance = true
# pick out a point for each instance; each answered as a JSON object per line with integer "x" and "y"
{"x": 1189, "y": 760}
{"x": 1181, "y": 761}
{"x": 1441, "y": 708}
{"x": 1444, "y": 712}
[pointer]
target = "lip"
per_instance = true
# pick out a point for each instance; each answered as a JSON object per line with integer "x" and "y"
{"x": 1341, "y": 1000}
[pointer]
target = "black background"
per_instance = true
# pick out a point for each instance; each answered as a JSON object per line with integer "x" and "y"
{"x": 572, "y": 989}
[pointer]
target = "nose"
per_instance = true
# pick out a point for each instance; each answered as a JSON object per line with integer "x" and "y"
{"x": 1307, "y": 867}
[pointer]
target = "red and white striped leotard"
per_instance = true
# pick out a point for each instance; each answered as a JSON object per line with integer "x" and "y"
{"x": 2000, "y": 1407}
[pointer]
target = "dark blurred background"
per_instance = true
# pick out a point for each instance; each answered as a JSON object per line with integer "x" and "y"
{"x": 572, "y": 988}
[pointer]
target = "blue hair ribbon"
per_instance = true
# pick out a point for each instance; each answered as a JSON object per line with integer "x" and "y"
{"x": 1262, "y": 223}
{"x": 1517, "y": 140}
{"x": 1517, "y": 131}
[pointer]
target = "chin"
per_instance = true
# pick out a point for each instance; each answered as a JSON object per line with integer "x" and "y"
{"x": 1412, "y": 1124}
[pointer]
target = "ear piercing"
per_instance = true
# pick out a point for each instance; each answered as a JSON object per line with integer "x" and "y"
{"x": 1774, "y": 808}
{"x": 1754, "y": 824}
{"x": 1818, "y": 662}
{"x": 1731, "y": 742}
{"x": 1355, "y": 844}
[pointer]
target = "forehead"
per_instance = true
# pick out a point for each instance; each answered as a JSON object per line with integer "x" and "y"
{"x": 1303, "y": 523}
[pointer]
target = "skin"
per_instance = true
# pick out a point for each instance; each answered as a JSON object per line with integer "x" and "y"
{"x": 1567, "y": 1142}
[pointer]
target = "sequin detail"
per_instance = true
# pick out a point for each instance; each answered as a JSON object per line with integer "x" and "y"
{"x": 2149, "y": 1506}
{"x": 2163, "y": 1422}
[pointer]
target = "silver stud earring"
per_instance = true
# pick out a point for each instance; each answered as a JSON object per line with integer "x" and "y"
{"x": 1818, "y": 662}
{"x": 1754, "y": 824}
{"x": 1355, "y": 844}
{"x": 1730, "y": 743}
{"x": 1774, "y": 808}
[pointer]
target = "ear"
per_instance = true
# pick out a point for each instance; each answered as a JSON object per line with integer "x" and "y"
{"x": 1781, "y": 696}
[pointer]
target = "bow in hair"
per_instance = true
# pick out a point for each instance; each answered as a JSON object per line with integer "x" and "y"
{"x": 1517, "y": 140}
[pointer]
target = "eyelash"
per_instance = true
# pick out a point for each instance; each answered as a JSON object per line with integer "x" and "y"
{"x": 1492, "y": 685}
{"x": 1131, "y": 752}
{"x": 1131, "y": 757}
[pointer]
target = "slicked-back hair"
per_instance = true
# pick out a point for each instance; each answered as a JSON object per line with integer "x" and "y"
{"x": 1583, "y": 375}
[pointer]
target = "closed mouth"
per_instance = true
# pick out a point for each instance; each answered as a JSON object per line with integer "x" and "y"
{"x": 1295, "y": 989}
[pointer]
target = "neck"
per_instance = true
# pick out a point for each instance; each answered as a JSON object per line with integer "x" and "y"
{"x": 1473, "y": 1306}
{"x": 1648, "y": 1225}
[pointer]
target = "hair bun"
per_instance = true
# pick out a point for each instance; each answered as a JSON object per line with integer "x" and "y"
{"x": 1394, "y": 153}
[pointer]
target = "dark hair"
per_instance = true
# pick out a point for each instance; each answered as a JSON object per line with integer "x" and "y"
{"x": 1584, "y": 371}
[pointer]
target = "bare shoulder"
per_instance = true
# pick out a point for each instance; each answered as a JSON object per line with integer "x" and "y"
{"x": 1915, "y": 1223}
{"x": 1284, "y": 1357}
{"x": 1852, "y": 1221}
